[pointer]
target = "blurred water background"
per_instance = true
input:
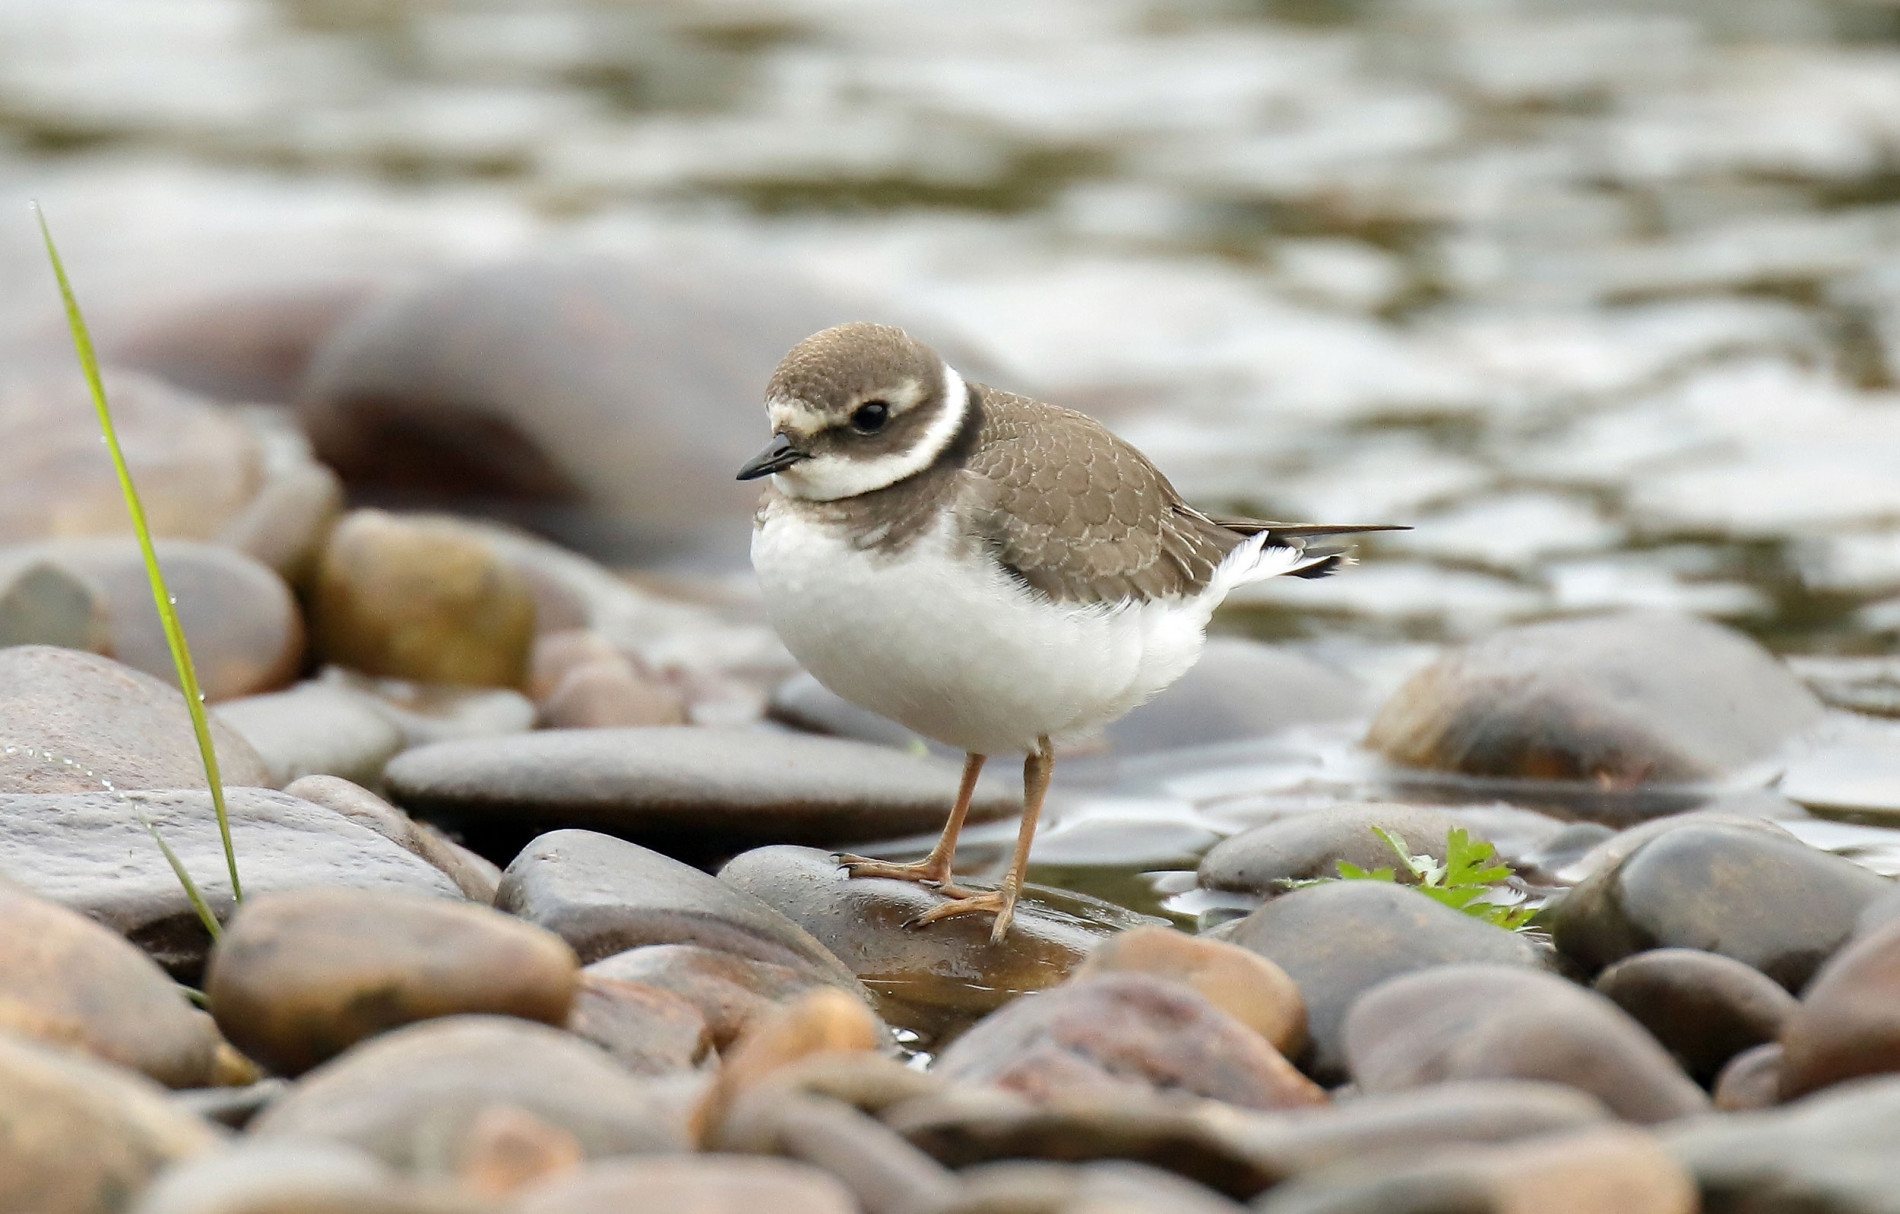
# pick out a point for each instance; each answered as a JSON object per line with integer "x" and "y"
{"x": 1604, "y": 297}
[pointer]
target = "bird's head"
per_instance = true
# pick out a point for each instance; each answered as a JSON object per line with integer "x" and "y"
{"x": 856, "y": 408}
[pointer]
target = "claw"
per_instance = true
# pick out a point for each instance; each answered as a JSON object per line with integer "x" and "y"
{"x": 999, "y": 902}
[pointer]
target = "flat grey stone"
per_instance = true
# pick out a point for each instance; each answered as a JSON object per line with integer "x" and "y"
{"x": 316, "y": 728}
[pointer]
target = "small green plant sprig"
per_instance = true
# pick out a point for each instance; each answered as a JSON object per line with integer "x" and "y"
{"x": 1464, "y": 882}
{"x": 161, "y": 598}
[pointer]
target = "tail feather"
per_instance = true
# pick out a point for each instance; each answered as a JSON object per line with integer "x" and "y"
{"x": 1295, "y": 531}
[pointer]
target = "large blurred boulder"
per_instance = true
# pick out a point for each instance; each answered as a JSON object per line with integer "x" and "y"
{"x": 607, "y": 402}
{"x": 202, "y": 471}
{"x": 1616, "y": 700}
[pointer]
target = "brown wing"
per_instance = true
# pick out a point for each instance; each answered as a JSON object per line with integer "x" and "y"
{"x": 1078, "y": 514}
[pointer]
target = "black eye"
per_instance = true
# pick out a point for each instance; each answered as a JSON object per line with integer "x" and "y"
{"x": 870, "y": 417}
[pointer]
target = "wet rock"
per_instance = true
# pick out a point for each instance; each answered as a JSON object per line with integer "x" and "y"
{"x": 1617, "y": 700}
{"x": 315, "y": 728}
{"x": 411, "y": 1097}
{"x": 68, "y": 981}
{"x": 966, "y": 1125}
{"x": 247, "y": 345}
{"x": 296, "y": 1178}
{"x": 79, "y": 1136}
{"x": 1503, "y": 1022}
{"x": 243, "y": 626}
{"x": 607, "y": 401}
{"x": 696, "y": 792}
{"x": 1245, "y": 985}
{"x": 1751, "y": 1080}
{"x": 1608, "y": 852}
{"x": 1771, "y": 903}
{"x": 424, "y": 598}
{"x": 604, "y": 895}
{"x": 949, "y": 966}
{"x": 1831, "y": 1151}
{"x": 704, "y": 1184}
{"x": 476, "y": 877}
{"x": 299, "y": 977}
{"x": 1338, "y": 941}
{"x": 1848, "y": 1021}
{"x": 1239, "y": 689}
{"x": 196, "y": 465}
{"x": 44, "y": 604}
{"x": 1705, "y": 1008}
{"x": 648, "y": 1030}
{"x": 728, "y": 990}
{"x": 819, "y": 1022}
{"x": 1302, "y": 846}
{"x": 70, "y": 721}
{"x": 805, "y": 703}
{"x": 1122, "y": 1032}
{"x": 1054, "y": 1188}
{"x": 1601, "y": 1168}
{"x": 89, "y": 852}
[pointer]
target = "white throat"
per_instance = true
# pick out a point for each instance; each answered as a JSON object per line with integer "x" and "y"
{"x": 827, "y": 479}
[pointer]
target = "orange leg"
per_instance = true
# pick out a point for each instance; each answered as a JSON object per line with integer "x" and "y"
{"x": 935, "y": 868}
{"x": 1002, "y": 902}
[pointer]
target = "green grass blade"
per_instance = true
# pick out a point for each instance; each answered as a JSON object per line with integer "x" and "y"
{"x": 161, "y": 597}
{"x": 197, "y": 899}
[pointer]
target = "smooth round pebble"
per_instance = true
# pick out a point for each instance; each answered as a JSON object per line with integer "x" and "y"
{"x": 315, "y": 728}
{"x": 1245, "y": 985}
{"x": 476, "y": 877}
{"x": 1848, "y": 1021}
{"x": 1705, "y": 1008}
{"x": 728, "y": 990}
{"x": 299, "y": 977}
{"x": 1309, "y": 845}
{"x": 1751, "y": 1080}
{"x": 701, "y": 1184}
{"x": 647, "y": 1029}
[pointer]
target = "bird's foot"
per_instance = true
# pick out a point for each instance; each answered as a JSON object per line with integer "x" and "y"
{"x": 924, "y": 872}
{"x": 999, "y": 902}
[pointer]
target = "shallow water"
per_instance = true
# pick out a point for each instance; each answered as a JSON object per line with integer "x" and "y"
{"x": 1604, "y": 299}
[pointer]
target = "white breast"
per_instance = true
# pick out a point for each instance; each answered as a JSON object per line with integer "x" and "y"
{"x": 948, "y": 644}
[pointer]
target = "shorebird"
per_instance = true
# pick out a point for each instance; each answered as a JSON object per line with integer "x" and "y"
{"x": 993, "y": 572}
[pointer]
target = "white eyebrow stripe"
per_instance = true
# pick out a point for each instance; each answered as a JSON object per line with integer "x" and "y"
{"x": 827, "y": 480}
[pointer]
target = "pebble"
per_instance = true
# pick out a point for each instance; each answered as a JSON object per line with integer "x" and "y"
{"x": 89, "y": 852}
{"x": 1848, "y": 1021}
{"x": 90, "y": 722}
{"x": 423, "y": 598}
{"x": 701, "y": 792}
{"x": 475, "y": 876}
{"x": 42, "y": 603}
{"x": 299, "y": 977}
{"x": 1490, "y": 1021}
{"x": 648, "y": 1029}
{"x": 1705, "y": 1008}
{"x": 1412, "y": 1122}
{"x": 68, "y": 981}
{"x": 1768, "y": 902}
{"x": 287, "y": 521}
{"x": 605, "y": 895}
{"x": 1239, "y": 689}
{"x": 1057, "y": 1188}
{"x": 1751, "y": 1080}
{"x": 506, "y": 1148}
{"x": 315, "y": 728}
{"x": 1245, "y": 985}
{"x": 1125, "y": 1033}
{"x": 195, "y": 463}
{"x": 1304, "y": 846}
{"x": 1616, "y": 700}
{"x": 428, "y": 713}
{"x": 292, "y": 1177}
{"x": 412, "y": 1096}
{"x": 1832, "y": 1151}
{"x": 965, "y": 1125}
{"x": 702, "y": 1184}
{"x": 581, "y": 680}
{"x": 617, "y": 395}
{"x": 79, "y": 1135}
{"x": 818, "y": 1022}
{"x": 947, "y": 969}
{"x": 238, "y": 615}
{"x": 1338, "y": 941}
{"x": 1607, "y": 852}
{"x": 728, "y": 990}
{"x": 1586, "y": 1171}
